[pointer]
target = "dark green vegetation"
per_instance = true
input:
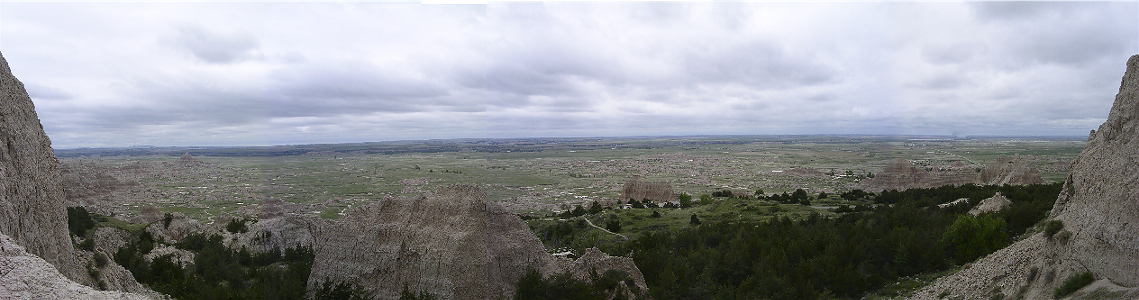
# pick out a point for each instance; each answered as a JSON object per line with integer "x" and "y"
{"x": 79, "y": 221}
{"x": 532, "y": 286}
{"x": 218, "y": 272}
{"x": 1053, "y": 227}
{"x": 895, "y": 234}
{"x": 1073, "y": 284}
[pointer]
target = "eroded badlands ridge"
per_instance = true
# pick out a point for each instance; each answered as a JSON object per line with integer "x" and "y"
{"x": 453, "y": 243}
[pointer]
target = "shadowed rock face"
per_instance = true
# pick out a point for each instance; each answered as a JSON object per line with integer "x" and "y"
{"x": 453, "y": 243}
{"x": 1099, "y": 207}
{"x": 26, "y": 276}
{"x": 32, "y": 208}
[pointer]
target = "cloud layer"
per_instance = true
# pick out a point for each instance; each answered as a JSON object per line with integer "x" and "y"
{"x": 117, "y": 74}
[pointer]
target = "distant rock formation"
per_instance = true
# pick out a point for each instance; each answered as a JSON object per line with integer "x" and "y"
{"x": 32, "y": 210}
{"x": 453, "y": 243}
{"x": 280, "y": 233}
{"x": 26, "y": 276}
{"x": 1009, "y": 170}
{"x": 993, "y": 204}
{"x": 656, "y": 191}
{"x": 1099, "y": 207}
{"x": 901, "y": 174}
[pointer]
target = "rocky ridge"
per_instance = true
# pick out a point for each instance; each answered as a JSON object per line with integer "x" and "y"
{"x": 32, "y": 210}
{"x": 452, "y": 243}
{"x": 901, "y": 174}
{"x": 1099, "y": 207}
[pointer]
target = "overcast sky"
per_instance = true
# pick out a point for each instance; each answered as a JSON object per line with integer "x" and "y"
{"x": 121, "y": 74}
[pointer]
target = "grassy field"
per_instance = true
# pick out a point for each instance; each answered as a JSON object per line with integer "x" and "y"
{"x": 534, "y": 176}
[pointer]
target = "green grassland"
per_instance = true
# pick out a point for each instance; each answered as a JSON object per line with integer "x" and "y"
{"x": 537, "y": 176}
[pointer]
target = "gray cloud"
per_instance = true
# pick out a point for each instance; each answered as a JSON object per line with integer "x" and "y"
{"x": 215, "y": 47}
{"x": 272, "y": 73}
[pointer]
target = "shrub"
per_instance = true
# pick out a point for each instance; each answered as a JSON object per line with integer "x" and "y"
{"x": 613, "y": 225}
{"x": 685, "y": 200}
{"x": 88, "y": 244}
{"x": 1053, "y": 227}
{"x": 1063, "y": 236}
{"x": 1074, "y": 284}
{"x": 656, "y": 214}
{"x": 79, "y": 221}
{"x": 100, "y": 259}
{"x": 694, "y": 220}
{"x": 238, "y": 226}
{"x": 705, "y": 199}
{"x": 166, "y": 219}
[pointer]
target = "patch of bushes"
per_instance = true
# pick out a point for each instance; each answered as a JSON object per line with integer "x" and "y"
{"x": 237, "y": 226}
{"x": 1074, "y": 284}
{"x": 79, "y": 221}
{"x": 1053, "y": 227}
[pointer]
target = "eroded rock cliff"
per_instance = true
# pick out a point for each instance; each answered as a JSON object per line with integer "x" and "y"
{"x": 32, "y": 209}
{"x": 901, "y": 174}
{"x": 1099, "y": 207}
{"x": 452, "y": 243}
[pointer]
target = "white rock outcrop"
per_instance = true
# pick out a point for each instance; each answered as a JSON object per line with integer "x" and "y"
{"x": 26, "y": 276}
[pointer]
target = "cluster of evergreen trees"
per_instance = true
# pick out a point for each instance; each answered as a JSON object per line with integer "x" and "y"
{"x": 845, "y": 256}
{"x": 218, "y": 272}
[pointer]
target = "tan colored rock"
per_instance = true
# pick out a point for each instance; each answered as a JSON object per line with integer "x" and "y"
{"x": 32, "y": 201}
{"x": 453, "y": 243}
{"x": 1011, "y": 170}
{"x": 26, "y": 276}
{"x": 180, "y": 226}
{"x": 993, "y": 204}
{"x": 1099, "y": 207}
{"x": 656, "y": 191}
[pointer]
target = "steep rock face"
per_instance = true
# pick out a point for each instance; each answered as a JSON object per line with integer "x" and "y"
{"x": 1100, "y": 200}
{"x": 26, "y": 276}
{"x": 594, "y": 260}
{"x": 1099, "y": 207}
{"x": 31, "y": 195}
{"x": 452, "y": 243}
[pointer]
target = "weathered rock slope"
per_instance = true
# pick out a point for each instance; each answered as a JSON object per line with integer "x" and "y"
{"x": 1099, "y": 207}
{"x": 32, "y": 209}
{"x": 656, "y": 191}
{"x": 453, "y": 243}
{"x": 26, "y": 276}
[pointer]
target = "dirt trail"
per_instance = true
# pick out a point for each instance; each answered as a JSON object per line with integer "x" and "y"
{"x": 587, "y": 221}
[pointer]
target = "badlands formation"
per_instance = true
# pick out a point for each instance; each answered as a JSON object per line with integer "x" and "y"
{"x": 1099, "y": 208}
{"x": 453, "y": 243}
{"x": 37, "y": 259}
{"x": 901, "y": 174}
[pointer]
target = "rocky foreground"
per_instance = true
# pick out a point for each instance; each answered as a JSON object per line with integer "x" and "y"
{"x": 1099, "y": 210}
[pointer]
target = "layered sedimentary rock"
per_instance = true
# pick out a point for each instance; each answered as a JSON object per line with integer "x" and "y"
{"x": 656, "y": 191}
{"x": 32, "y": 210}
{"x": 1099, "y": 207}
{"x": 280, "y": 233}
{"x": 24, "y": 275}
{"x": 901, "y": 174}
{"x": 452, "y": 243}
{"x": 1009, "y": 170}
